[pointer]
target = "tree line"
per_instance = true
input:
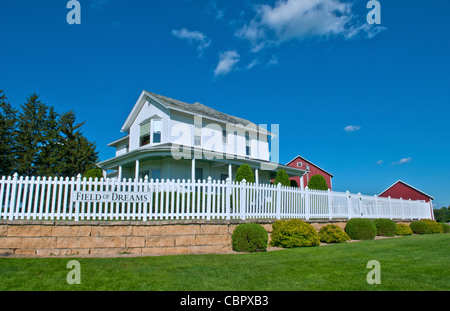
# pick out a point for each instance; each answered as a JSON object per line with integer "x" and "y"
{"x": 38, "y": 141}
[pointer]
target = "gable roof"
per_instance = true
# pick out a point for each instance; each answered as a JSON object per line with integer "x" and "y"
{"x": 194, "y": 109}
{"x": 408, "y": 185}
{"x": 302, "y": 158}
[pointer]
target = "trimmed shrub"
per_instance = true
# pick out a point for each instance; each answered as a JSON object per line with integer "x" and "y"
{"x": 317, "y": 182}
{"x": 361, "y": 229}
{"x": 333, "y": 234}
{"x": 433, "y": 226}
{"x": 245, "y": 172}
{"x": 95, "y": 172}
{"x": 419, "y": 227}
{"x": 385, "y": 227}
{"x": 403, "y": 229}
{"x": 283, "y": 178}
{"x": 445, "y": 227}
{"x": 249, "y": 237}
{"x": 294, "y": 233}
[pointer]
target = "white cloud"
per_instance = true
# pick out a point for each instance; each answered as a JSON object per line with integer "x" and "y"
{"x": 405, "y": 160}
{"x": 302, "y": 19}
{"x": 227, "y": 62}
{"x": 379, "y": 162}
{"x": 196, "y": 38}
{"x": 352, "y": 128}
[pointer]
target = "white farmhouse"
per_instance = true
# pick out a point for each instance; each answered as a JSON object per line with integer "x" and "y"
{"x": 170, "y": 139}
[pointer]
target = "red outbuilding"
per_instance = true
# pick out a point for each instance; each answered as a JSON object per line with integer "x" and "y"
{"x": 311, "y": 168}
{"x": 405, "y": 191}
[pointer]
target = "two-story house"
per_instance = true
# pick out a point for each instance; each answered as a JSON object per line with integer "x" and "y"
{"x": 170, "y": 139}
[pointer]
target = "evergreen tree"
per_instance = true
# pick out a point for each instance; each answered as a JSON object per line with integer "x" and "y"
{"x": 48, "y": 159}
{"x": 76, "y": 153}
{"x": 282, "y": 178}
{"x": 30, "y": 135}
{"x": 8, "y": 123}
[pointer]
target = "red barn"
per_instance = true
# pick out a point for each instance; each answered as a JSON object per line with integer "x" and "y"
{"x": 402, "y": 190}
{"x": 311, "y": 168}
{"x": 405, "y": 191}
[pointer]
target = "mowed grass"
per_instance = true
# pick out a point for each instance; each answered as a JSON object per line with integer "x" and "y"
{"x": 414, "y": 263}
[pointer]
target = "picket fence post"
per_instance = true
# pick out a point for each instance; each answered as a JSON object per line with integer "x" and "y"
{"x": 228, "y": 198}
{"x": 307, "y": 202}
{"x": 279, "y": 201}
{"x": 330, "y": 205}
{"x": 13, "y": 197}
{"x": 242, "y": 198}
{"x": 208, "y": 206}
{"x": 390, "y": 207}
{"x": 349, "y": 205}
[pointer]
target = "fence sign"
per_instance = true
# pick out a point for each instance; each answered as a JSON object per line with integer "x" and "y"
{"x": 106, "y": 197}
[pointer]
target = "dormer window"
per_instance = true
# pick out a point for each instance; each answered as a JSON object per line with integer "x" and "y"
{"x": 150, "y": 132}
{"x": 157, "y": 129}
{"x": 144, "y": 134}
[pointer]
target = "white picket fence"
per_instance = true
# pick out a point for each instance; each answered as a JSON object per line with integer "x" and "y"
{"x": 143, "y": 199}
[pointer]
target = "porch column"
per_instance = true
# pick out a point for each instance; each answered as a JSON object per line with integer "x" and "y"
{"x": 136, "y": 173}
{"x": 256, "y": 177}
{"x": 302, "y": 183}
{"x": 119, "y": 175}
{"x": 230, "y": 172}
{"x": 193, "y": 170}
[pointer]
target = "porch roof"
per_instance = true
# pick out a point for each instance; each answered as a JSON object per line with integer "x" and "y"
{"x": 165, "y": 150}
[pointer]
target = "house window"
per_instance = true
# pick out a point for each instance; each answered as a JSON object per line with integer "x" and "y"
{"x": 145, "y": 134}
{"x": 199, "y": 173}
{"x": 157, "y": 128}
{"x": 197, "y": 140}
{"x": 248, "y": 149}
{"x": 299, "y": 164}
{"x": 156, "y": 174}
{"x": 224, "y": 137}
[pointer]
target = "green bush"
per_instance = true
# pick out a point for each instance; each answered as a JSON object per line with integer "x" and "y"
{"x": 317, "y": 182}
{"x": 333, "y": 234}
{"x": 283, "y": 178}
{"x": 433, "y": 226}
{"x": 445, "y": 227}
{"x": 385, "y": 227}
{"x": 95, "y": 172}
{"x": 294, "y": 233}
{"x": 249, "y": 237}
{"x": 245, "y": 172}
{"x": 403, "y": 229}
{"x": 419, "y": 227}
{"x": 361, "y": 229}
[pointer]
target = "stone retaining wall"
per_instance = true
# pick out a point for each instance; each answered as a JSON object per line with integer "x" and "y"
{"x": 100, "y": 238}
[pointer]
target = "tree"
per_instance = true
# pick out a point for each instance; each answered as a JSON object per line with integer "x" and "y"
{"x": 76, "y": 153}
{"x": 30, "y": 135}
{"x": 317, "y": 182}
{"x": 442, "y": 215}
{"x": 245, "y": 172}
{"x": 48, "y": 160}
{"x": 283, "y": 178}
{"x": 8, "y": 123}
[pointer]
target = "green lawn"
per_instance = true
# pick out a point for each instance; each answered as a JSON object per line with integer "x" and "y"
{"x": 407, "y": 263}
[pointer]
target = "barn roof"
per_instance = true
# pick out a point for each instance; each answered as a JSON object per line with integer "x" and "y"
{"x": 309, "y": 163}
{"x": 408, "y": 185}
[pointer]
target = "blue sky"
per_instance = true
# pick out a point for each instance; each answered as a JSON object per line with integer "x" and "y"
{"x": 369, "y": 104}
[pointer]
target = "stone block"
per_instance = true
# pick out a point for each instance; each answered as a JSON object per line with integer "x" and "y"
{"x": 29, "y": 231}
{"x": 160, "y": 241}
{"x": 213, "y": 229}
{"x": 69, "y": 231}
{"x": 213, "y": 240}
{"x": 109, "y": 231}
{"x": 41, "y": 242}
{"x": 11, "y": 242}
